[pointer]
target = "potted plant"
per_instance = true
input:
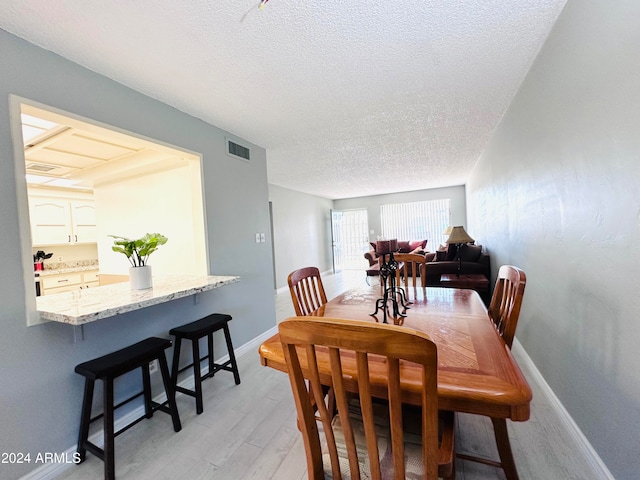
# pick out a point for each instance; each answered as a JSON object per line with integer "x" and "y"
{"x": 137, "y": 252}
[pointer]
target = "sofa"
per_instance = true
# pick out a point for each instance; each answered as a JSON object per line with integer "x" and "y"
{"x": 403, "y": 247}
{"x": 444, "y": 261}
{"x": 441, "y": 262}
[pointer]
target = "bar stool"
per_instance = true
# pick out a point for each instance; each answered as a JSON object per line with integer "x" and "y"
{"x": 109, "y": 367}
{"x": 194, "y": 331}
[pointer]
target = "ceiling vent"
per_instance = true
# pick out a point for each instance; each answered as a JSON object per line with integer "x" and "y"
{"x": 238, "y": 150}
{"x": 40, "y": 167}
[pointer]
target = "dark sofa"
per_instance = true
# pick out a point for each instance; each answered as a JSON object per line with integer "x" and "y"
{"x": 474, "y": 260}
{"x": 441, "y": 262}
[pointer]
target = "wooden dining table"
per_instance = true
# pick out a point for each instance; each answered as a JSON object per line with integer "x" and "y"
{"x": 476, "y": 371}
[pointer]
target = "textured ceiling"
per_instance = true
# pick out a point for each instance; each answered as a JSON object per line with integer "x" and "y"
{"x": 349, "y": 98}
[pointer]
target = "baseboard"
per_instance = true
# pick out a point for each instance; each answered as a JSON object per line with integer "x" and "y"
{"x": 50, "y": 471}
{"x": 581, "y": 443}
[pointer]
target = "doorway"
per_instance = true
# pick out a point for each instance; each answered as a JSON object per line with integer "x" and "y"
{"x": 350, "y": 238}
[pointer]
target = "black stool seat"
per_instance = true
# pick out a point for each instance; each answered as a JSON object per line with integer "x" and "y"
{"x": 123, "y": 361}
{"x": 109, "y": 367}
{"x": 194, "y": 331}
{"x": 202, "y": 327}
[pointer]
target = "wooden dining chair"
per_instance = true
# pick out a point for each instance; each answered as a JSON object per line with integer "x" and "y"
{"x": 504, "y": 311}
{"x": 504, "y": 308}
{"x": 410, "y": 270}
{"x": 307, "y": 291}
{"x": 366, "y": 438}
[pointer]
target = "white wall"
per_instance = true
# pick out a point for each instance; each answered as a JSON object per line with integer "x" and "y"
{"x": 372, "y": 204}
{"x": 41, "y": 394}
{"x": 557, "y": 193}
{"x": 302, "y": 231}
{"x": 160, "y": 202}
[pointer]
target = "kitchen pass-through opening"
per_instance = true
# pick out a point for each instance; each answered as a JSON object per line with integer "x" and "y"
{"x": 79, "y": 181}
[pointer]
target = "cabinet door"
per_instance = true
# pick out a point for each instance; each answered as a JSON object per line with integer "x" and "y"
{"x": 50, "y": 221}
{"x": 90, "y": 279}
{"x": 60, "y": 283}
{"x": 83, "y": 216}
{"x": 66, "y": 288}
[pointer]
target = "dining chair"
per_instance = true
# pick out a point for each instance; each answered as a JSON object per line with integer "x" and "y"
{"x": 307, "y": 291}
{"x": 307, "y": 295}
{"x": 411, "y": 268}
{"x": 366, "y": 438}
{"x": 504, "y": 311}
{"x": 504, "y": 308}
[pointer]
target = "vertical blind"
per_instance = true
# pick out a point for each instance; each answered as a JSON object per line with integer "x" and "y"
{"x": 416, "y": 221}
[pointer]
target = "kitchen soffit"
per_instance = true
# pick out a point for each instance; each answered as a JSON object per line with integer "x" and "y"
{"x": 62, "y": 151}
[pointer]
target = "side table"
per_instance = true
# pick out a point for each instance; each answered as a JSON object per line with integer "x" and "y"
{"x": 474, "y": 281}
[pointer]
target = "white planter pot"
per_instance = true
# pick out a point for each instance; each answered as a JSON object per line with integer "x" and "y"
{"x": 140, "y": 277}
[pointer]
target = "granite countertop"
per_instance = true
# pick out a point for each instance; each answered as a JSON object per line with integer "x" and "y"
{"x": 91, "y": 304}
{"x": 58, "y": 271}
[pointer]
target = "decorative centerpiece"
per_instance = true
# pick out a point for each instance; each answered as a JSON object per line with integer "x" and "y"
{"x": 390, "y": 292}
{"x": 137, "y": 252}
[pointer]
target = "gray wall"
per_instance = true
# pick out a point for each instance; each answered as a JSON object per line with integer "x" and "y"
{"x": 372, "y": 204}
{"x": 301, "y": 232}
{"x": 40, "y": 394}
{"x": 557, "y": 192}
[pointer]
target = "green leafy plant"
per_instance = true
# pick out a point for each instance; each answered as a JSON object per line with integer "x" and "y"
{"x": 138, "y": 251}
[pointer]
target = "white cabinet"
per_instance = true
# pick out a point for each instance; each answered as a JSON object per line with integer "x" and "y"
{"x": 83, "y": 221}
{"x": 60, "y": 221}
{"x": 68, "y": 282}
{"x": 90, "y": 279}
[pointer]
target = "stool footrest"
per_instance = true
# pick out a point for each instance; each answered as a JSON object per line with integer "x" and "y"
{"x": 99, "y": 452}
{"x": 186, "y": 367}
{"x": 163, "y": 407}
{"x": 115, "y": 407}
{"x": 186, "y": 391}
{"x": 93, "y": 448}
{"x": 155, "y": 406}
{"x": 227, "y": 366}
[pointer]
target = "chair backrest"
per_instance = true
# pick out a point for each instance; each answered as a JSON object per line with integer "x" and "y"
{"x": 504, "y": 308}
{"x": 343, "y": 348}
{"x": 307, "y": 291}
{"x": 411, "y": 268}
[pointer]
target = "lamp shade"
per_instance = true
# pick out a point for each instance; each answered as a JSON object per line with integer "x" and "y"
{"x": 458, "y": 235}
{"x": 447, "y": 231}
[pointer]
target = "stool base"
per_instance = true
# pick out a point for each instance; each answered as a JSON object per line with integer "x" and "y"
{"x": 194, "y": 331}
{"x": 109, "y": 367}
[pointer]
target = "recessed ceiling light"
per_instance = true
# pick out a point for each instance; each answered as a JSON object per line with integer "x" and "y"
{"x": 37, "y": 179}
{"x": 33, "y": 126}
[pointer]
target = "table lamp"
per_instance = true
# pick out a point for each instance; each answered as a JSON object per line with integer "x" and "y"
{"x": 459, "y": 238}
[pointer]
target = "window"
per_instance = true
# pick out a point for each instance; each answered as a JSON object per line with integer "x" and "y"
{"x": 416, "y": 221}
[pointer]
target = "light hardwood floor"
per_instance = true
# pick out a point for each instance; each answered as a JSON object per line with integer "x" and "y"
{"x": 249, "y": 431}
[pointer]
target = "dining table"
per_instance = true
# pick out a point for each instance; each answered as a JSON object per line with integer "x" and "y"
{"x": 477, "y": 373}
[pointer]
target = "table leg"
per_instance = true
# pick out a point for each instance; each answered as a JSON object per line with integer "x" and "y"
{"x": 504, "y": 448}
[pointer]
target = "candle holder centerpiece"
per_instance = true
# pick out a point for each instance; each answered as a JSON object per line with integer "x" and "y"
{"x": 390, "y": 291}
